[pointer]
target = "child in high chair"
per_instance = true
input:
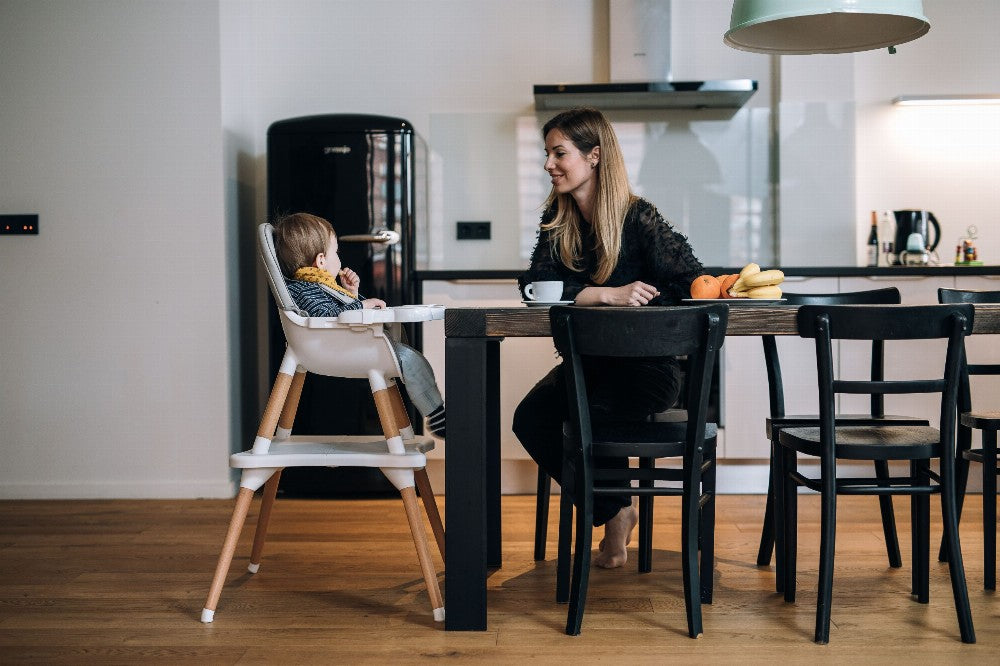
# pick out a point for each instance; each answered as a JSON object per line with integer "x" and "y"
{"x": 307, "y": 252}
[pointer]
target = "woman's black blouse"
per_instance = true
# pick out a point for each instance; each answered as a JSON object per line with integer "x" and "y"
{"x": 651, "y": 251}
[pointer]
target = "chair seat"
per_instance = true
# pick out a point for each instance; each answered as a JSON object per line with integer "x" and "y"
{"x": 869, "y": 443}
{"x": 806, "y": 420}
{"x": 643, "y": 439}
{"x": 339, "y": 451}
{"x": 982, "y": 420}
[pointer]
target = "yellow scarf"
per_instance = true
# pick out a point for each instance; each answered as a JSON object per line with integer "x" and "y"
{"x": 313, "y": 274}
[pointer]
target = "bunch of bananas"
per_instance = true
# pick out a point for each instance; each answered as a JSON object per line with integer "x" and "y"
{"x": 755, "y": 283}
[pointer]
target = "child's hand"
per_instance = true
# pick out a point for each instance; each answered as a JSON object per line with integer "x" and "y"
{"x": 350, "y": 280}
{"x": 373, "y": 304}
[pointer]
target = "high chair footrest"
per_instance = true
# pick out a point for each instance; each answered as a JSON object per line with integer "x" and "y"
{"x": 342, "y": 451}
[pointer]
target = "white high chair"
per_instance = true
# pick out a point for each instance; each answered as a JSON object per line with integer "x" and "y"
{"x": 354, "y": 345}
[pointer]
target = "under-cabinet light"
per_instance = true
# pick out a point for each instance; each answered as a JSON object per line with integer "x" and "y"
{"x": 945, "y": 100}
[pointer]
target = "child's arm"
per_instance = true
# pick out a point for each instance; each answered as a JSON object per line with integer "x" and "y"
{"x": 350, "y": 280}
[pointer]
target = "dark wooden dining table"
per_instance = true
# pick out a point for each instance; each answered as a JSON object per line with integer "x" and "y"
{"x": 472, "y": 458}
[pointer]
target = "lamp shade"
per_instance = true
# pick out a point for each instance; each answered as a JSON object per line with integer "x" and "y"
{"x": 795, "y": 27}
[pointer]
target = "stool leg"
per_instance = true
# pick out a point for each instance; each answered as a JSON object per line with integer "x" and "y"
{"x": 990, "y": 509}
{"x": 542, "y": 499}
{"x": 243, "y": 500}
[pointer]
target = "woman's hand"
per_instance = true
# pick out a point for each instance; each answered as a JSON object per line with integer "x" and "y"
{"x": 373, "y": 304}
{"x": 631, "y": 295}
{"x": 350, "y": 281}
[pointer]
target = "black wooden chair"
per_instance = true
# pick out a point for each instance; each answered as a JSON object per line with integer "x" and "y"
{"x": 779, "y": 420}
{"x": 989, "y": 423}
{"x": 696, "y": 331}
{"x": 918, "y": 445}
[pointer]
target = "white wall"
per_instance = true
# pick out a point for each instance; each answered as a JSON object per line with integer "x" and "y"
{"x": 137, "y": 132}
{"x": 114, "y": 362}
{"x": 942, "y": 159}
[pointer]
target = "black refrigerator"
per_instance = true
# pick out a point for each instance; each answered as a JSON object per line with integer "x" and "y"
{"x": 367, "y": 175}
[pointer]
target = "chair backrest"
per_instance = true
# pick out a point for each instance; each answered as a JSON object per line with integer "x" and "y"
{"x": 775, "y": 386}
{"x": 275, "y": 279}
{"x": 892, "y": 322}
{"x": 970, "y": 296}
{"x": 648, "y": 332}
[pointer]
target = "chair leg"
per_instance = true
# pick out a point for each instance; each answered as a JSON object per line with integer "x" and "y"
{"x": 423, "y": 551}
{"x": 263, "y": 520}
{"x": 921, "y": 518}
{"x": 243, "y": 500}
{"x": 581, "y": 564}
{"x": 689, "y": 546}
{"x": 963, "y": 444}
{"x": 542, "y": 498}
{"x": 990, "y": 509}
{"x": 430, "y": 507}
{"x": 827, "y": 550}
{"x": 956, "y": 567}
{"x": 706, "y": 532}
{"x": 788, "y": 515}
{"x": 888, "y": 517}
{"x": 563, "y": 548}
{"x": 766, "y": 547}
{"x": 646, "y": 521}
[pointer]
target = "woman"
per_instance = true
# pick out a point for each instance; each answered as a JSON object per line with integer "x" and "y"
{"x": 609, "y": 247}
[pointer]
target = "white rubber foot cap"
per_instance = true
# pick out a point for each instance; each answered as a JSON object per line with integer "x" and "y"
{"x": 207, "y": 615}
{"x": 438, "y": 615}
{"x": 253, "y": 568}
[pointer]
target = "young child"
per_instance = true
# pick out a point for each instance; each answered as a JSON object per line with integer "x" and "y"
{"x": 307, "y": 253}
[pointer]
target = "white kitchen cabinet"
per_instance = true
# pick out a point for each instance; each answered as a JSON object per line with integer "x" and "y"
{"x": 744, "y": 378}
{"x": 902, "y": 358}
{"x": 523, "y": 361}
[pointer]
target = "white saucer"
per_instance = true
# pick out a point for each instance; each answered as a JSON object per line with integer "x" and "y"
{"x": 544, "y": 304}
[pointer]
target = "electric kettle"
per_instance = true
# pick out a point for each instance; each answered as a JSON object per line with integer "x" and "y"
{"x": 915, "y": 222}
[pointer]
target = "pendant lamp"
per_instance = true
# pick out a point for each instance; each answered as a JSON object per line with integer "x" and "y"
{"x": 795, "y": 27}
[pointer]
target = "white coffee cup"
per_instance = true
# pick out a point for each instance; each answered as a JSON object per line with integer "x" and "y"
{"x": 545, "y": 291}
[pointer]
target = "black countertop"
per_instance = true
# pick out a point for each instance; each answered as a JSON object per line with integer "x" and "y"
{"x": 791, "y": 271}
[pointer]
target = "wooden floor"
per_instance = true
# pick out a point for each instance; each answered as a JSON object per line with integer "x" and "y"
{"x": 125, "y": 581}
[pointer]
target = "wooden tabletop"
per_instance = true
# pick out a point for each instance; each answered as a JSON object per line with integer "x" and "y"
{"x": 523, "y": 321}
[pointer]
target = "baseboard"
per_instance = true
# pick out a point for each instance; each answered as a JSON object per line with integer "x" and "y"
{"x": 114, "y": 490}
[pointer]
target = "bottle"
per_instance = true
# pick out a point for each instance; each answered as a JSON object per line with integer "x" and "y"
{"x": 887, "y": 237}
{"x": 873, "y": 242}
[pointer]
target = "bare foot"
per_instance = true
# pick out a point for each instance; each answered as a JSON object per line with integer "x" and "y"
{"x": 617, "y": 535}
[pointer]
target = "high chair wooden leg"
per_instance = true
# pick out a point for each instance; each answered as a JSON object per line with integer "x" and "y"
{"x": 399, "y": 409}
{"x": 260, "y": 535}
{"x": 243, "y": 500}
{"x": 430, "y": 506}
{"x": 423, "y": 551}
{"x": 386, "y": 416}
{"x": 291, "y": 406}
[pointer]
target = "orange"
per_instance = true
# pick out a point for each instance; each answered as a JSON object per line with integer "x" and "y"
{"x": 728, "y": 281}
{"x": 705, "y": 286}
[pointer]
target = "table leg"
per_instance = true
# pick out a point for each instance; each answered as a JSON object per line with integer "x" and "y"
{"x": 472, "y": 498}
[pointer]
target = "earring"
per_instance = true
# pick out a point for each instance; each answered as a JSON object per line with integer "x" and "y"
{"x": 593, "y": 165}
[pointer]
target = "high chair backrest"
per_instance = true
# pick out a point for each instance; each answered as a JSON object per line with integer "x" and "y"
{"x": 275, "y": 279}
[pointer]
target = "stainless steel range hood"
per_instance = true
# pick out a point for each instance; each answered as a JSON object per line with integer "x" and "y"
{"x": 722, "y": 94}
{"x": 639, "y": 68}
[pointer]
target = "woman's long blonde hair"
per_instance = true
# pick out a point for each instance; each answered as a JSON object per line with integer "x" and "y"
{"x": 587, "y": 128}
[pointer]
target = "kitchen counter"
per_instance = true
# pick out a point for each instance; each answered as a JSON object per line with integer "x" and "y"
{"x": 792, "y": 271}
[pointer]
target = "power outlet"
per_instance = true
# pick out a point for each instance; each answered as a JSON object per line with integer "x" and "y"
{"x": 473, "y": 231}
{"x": 18, "y": 225}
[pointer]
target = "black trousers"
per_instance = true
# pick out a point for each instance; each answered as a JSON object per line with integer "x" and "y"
{"x": 618, "y": 389}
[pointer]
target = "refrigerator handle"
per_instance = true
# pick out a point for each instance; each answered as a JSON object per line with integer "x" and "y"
{"x": 387, "y": 236}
